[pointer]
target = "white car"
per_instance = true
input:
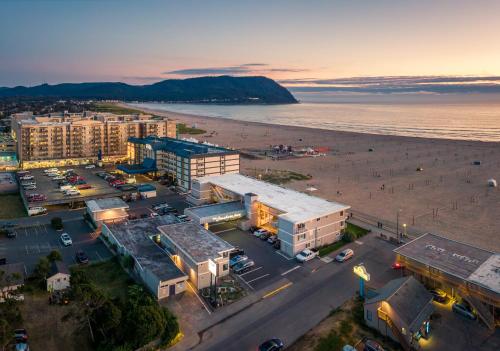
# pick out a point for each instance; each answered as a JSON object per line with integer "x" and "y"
{"x": 305, "y": 255}
{"x": 29, "y": 187}
{"x": 89, "y": 166}
{"x": 344, "y": 255}
{"x": 27, "y": 177}
{"x": 154, "y": 214}
{"x": 66, "y": 239}
{"x": 33, "y": 211}
{"x": 50, "y": 170}
{"x": 71, "y": 192}
{"x": 259, "y": 232}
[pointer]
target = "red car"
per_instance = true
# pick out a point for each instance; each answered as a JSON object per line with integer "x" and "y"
{"x": 84, "y": 186}
{"x": 397, "y": 265}
{"x": 117, "y": 182}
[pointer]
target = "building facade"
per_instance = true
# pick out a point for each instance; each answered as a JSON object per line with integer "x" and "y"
{"x": 182, "y": 161}
{"x": 300, "y": 220}
{"x": 63, "y": 139}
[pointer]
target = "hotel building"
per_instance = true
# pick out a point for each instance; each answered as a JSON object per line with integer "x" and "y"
{"x": 180, "y": 160}
{"x": 300, "y": 220}
{"x": 79, "y": 138}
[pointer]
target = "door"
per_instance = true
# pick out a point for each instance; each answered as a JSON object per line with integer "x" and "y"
{"x": 171, "y": 290}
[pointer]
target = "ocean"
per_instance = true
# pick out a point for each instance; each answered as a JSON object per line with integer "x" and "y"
{"x": 464, "y": 117}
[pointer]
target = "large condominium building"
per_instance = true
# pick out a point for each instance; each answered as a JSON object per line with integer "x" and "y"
{"x": 62, "y": 139}
{"x": 181, "y": 160}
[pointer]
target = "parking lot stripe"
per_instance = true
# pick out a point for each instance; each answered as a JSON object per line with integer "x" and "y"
{"x": 284, "y": 256}
{"x": 253, "y": 270}
{"x": 290, "y": 270}
{"x": 262, "y": 276}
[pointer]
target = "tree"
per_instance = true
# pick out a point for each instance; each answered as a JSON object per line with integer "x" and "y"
{"x": 57, "y": 223}
{"x": 41, "y": 271}
{"x": 54, "y": 255}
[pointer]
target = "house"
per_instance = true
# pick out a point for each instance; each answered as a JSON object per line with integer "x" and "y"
{"x": 400, "y": 310}
{"x": 11, "y": 278}
{"x": 58, "y": 278}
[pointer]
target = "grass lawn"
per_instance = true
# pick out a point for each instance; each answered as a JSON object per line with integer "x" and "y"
{"x": 356, "y": 231}
{"x": 182, "y": 128}
{"x": 109, "y": 276}
{"x": 112, "y": 108}
{"x": 11, "y": 206}
{"x": 277, "y": 176}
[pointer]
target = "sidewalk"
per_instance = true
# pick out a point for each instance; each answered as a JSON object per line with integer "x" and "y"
{"x": 380, "y": 232}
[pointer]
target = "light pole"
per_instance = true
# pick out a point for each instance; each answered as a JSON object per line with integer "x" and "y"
{"x": 397, "y": 226}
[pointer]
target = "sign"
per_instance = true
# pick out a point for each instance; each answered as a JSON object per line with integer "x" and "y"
{"x": 361, "y": 272}
{"x": 212, "y": 267}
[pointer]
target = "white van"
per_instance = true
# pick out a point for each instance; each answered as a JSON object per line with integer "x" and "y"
{"x": 63, "y": 188}
{"x": 33, "y": 211}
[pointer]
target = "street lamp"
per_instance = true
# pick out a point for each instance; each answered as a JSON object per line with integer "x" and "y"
{"x": 397, "y": 226}
{"x": 404, "y": 230}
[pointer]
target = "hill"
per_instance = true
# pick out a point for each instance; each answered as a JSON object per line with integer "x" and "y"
{"x": 222, "y": 89}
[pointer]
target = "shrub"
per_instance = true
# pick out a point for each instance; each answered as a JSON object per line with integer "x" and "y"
{"x": 349, "y": 237}
{"x": 56, "y": 223}
{"x": 54, "y": 255}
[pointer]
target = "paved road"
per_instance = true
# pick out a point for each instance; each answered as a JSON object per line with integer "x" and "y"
{"x": 294, "y": 310}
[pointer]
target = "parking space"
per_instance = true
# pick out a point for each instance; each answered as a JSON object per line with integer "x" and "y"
{"x": 270, "y": 264}
{"x": 36, "y": 241}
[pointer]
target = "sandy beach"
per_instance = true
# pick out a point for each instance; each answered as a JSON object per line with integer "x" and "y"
{"x": 449, "y": 196}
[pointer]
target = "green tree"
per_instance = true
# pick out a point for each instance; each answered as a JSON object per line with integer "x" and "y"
{"x": 41, "y": 270}
{"x": 54, "y": 255}
{"x": 57, "y": 223}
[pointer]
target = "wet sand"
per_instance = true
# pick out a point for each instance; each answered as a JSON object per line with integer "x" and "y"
{"x": 449, "y": 197}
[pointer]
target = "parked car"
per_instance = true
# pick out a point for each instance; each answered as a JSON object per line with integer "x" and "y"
{"x": 29, "y": 187}
{"x": 371, "y": 345}
{"x": 344, "y": 255}
{"x": 463, "y": 311}
{"x": 160, "y": 206}
{"x": 84, "y": 186}
{"x": 58, "y": 177}
{"x": 274, "y": 344}
{"x": 20, "y": 335}
{"x": 243, "y": 266}
{"x": 81, "y": 257}
{"x": 259, "y": 232}
{"x": 71, "y": 192}
{"x": 183, "y": 218}
{"x": 236, "y": 252}
{"x": 237, "y": 259}
{"x": 89, "y": 166}
{"x": 439, "y": 295}
{"x": 27, "y": 177}
{"x": 28, "y": 182}
{"x": 11, "y": 234}
{"x": 277, "y": 244}
{"x": 272, "y": 239}
{"x": 305, "y": 255}
{"x": 397, "y": 265}
{"x": 265, "y": 236}
{"x": 66, "y": 239}
{"x": 33, "y": 211}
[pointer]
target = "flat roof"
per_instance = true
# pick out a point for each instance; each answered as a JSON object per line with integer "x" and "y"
{"x": 297, "y": 206}
{"x": 459, "y": 259}
{"x": 180, "y": 147}
{"x": 135, "y": 237}
{"x": 217, "y": 209}
{"x": 194, "y": 240}
{"x": 111, "y": 203}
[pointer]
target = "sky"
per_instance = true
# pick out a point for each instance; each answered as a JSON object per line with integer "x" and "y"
{"x": 309, "y": 44}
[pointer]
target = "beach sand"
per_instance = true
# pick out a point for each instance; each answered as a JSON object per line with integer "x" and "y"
{"x": 450, "y": 197}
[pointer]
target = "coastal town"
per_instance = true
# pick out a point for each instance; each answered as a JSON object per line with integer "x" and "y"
{"x": 218, "y": 235}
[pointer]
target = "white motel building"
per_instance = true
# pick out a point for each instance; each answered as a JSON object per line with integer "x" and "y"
{"x": 300, "y": 220}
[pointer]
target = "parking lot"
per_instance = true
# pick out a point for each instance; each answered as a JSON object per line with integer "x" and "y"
{"x": 39, "y": 240}
{"x": 270, "y": 264}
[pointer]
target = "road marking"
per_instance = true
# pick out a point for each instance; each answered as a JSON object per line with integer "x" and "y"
{"x": 290, "y": 270}
{"x": 262, "y": 276}
{"x": 275, "y": 291}
{"x": 359, "y": 242}
{"x": 253, "y": 270}
{"x": 283, "y": 255}
{"x": 224, "y": 230}
{"x": 199, "y": 298}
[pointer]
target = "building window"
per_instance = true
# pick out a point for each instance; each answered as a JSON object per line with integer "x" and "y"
{"x": 301, "y": 226}
{"x": 225, "y": 254}
{"x": 369, "y": 315}
{"x": 317, "y": 219}
{"x": 342, "y": 223}
{"x": 308, "y": 245}
{"x": 225, "y": 267}
{"x": 341, "y": 213}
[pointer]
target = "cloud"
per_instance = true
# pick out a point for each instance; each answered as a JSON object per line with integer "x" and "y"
{"x": 247, "y": 68}
{"x": 398, "y": 84}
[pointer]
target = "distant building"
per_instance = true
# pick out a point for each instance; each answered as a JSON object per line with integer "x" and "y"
{"x": 59, "y": 277}
{"x": 300, "y": 220}
{"x": 180, "y": 160}
{"x": 194, "y": 248}
{"x": 151, "y": 264}
{"x": 79, "y": 138}
{"x": 111, "y": 209}
{"x": 400, "y": 310}
{"x": 463, "y": 271}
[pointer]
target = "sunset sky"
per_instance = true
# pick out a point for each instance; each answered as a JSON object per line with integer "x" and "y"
{"x": 141, "y": 42}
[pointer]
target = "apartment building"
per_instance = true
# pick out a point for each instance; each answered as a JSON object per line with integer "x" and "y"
{"x": 181, "y": 160}
{"x": 79, "y": 138}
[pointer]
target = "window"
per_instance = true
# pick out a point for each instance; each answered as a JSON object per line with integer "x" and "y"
{"x": 225, "y": 254}
{"x": 308, "y": 245}
{"x": 342, "y": 223}
{"x": 317, "y": 219}
{"x": 301, "y": 237}
{"x": 301, "y": 226}
{"x": 341, "y": 213}
{"x": 225, "y": 267}
{"x": 369, "y": 315}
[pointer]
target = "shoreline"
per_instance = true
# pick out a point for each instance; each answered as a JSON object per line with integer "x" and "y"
{"x": 434, "y": 184}
{"x": 201, "y": 118}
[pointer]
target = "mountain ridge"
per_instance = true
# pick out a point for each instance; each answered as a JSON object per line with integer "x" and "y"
{"x": 217, "y": 89}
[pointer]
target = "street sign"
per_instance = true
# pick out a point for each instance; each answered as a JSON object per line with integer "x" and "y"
{"x": 361, "y": 272}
